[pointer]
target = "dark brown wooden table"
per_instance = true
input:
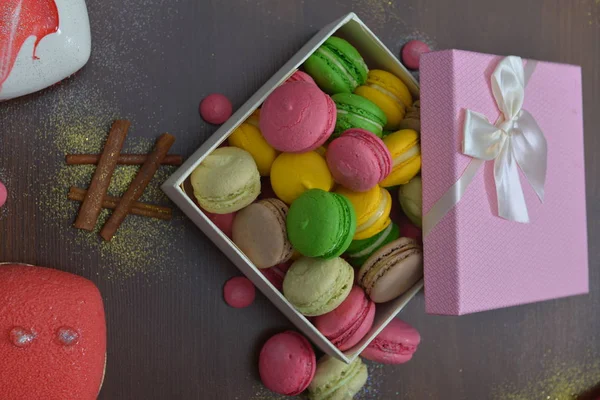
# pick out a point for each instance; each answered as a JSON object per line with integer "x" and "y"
{"x": 170, "y": 335}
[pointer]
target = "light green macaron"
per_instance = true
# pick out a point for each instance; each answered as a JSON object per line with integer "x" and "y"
{"x": 336, "y": 380}
{"x": 227, "y": 180}
{"x": 316, "y": 286}
{"x": 411, "y": 200}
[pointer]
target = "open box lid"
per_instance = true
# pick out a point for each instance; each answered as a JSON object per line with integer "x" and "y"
{"x": 474, "y": 259}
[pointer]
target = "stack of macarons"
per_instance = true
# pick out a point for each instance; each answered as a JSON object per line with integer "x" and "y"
{"x": 287, "y": 362}
{"x": 329, "y": 147}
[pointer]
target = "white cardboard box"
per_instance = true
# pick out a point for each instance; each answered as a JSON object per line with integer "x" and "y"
{"x": 376, "y": 55}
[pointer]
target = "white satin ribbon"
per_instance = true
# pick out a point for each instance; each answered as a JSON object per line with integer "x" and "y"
{"x": 514, "y": 140}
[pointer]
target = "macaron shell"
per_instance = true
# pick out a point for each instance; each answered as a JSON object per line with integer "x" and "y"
{"x": 406, "y": 155}
{"x": 254, "y": 119}
{"x": 316, "y": 286}
{"x": 249, "y": 138}
{"x": 293, "y": 174}
{"x": 276, "y": 274}
{"x": 287, "y": 363}
{"x": 402, "y": 174}
{"x": 354, "y": 111}
{"x": 349, "y": 322}
{"x": 301, "y": 76}
{"x": 395, "y": 344}
{"x": 226, "y": 181}
{"x": 321, "y": 224}
{"x": 372, "y": 210}
{"x": 260, "y": 233}
{"x": 411, "y": 200}
{"x": 337, "y": 66}
{"x": 223, "y": 221}
{"x": 358, "y": 160}
{"x": 392, "y": 270}
{"x": 392, "y": 84}
{"x": 334, "y": 379}
{"x": 393, "y": 110}
{"x": 297, "y": 117}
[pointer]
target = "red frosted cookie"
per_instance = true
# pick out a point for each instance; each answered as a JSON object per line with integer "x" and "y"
{"x": 52, "y": 335}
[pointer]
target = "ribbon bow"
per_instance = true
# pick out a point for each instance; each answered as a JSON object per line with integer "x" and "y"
{"x": 515, "y": 139}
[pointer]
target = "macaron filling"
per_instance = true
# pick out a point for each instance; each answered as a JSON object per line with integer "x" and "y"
{"x": 337, "y": 383}
{"x": 368, "y": 120}
{"x": 356, "y": 67}
{"x": 407, "y": 155}
{"x": 386, "y": 92}
{"x": 330, "y": 54}
{"x": 375, "y": 245}
{"x": 233, "y": 198}
{"x": 383, "y": 205}
{"x": 393, "y": 348}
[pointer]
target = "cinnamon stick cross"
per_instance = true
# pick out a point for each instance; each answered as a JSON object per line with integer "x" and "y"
{"x": 137, "y": 187}
{"x": 95, "y": 197}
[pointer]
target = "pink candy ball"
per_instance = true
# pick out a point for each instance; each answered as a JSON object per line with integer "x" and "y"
{"x": 239, "y": 292}
{"x": 411, "y": 53}
{"x": 3, "y": 194}
{"x": 215, "y": 108}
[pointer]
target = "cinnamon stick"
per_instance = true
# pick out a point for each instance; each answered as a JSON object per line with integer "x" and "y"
{"x": 111, "y": 202}
{"x": 124, "y": 159}
{"x": 137, "y": 187}
{"x": 92, "y": 204}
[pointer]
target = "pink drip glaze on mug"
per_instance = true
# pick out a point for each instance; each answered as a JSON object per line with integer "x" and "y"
{"x": 19, "y": 20}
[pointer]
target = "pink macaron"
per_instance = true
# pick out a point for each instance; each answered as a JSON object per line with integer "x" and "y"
{"x": 223, "y": 221}
{"x": 358, "y": 160}
{"x": 349, "y": 322}
{"x": 297, "y": 117}
{"x": 301, "y": 76}
{"x": 395, "y": 344}
{"x": 287, "y": 363}
{"x": 276, "y": 274}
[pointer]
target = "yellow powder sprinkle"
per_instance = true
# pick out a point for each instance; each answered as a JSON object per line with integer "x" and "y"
{"x": 141, "y": 245}
{"x": 562, "y": 382}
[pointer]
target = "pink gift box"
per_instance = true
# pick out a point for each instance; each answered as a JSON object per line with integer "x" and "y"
{"x": 474, "y": 259}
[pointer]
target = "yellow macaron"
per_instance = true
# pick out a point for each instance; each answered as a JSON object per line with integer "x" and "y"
{"x": 406, "y": 157}
{"x": 389, "y": 93}
{"x": 249, "y": 138}
{"x": 294, "y": 173}
{"x": 372, "y": 210}
{"x": 254, "y": 118}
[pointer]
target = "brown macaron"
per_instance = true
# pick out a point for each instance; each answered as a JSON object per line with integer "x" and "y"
{"x": 392, "y": 270}
{"x": 259, "y": 231}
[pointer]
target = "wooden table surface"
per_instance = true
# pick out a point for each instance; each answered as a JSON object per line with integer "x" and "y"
{"x": 170, "y": 335}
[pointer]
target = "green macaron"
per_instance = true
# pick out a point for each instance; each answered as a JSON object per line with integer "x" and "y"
{"x": 315, "y": 286}
{"x": 337, "y": 66}
{"x": 336, "y": 380}
{"x": 360, "y": 250}
{"x": 354, "y": 111}
{"x": 411, "y": 200}
{"x": 321, "y": 224}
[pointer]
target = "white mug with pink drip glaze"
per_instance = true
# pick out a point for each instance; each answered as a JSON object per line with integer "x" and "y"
{"x": 41, "y": 43}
